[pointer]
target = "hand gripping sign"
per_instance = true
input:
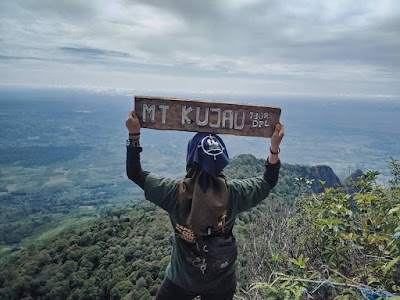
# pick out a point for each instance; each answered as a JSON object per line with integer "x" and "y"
{"x": 206, "y": 116}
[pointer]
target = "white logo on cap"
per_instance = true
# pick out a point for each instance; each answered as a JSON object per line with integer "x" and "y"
{"x": 211, "y": 146}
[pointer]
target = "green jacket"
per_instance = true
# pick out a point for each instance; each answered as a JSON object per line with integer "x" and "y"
{"x": 163, "y": 191}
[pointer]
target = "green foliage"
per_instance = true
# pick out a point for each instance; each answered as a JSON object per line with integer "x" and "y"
{"x": 353, "y": 234}
{"x": 280, "y": 290}
{"x": 301, "y": 261}
{"x": 345, "y": 237}
{"x": 395, "y": 169}
{"x": 122, "y": 288}
{"x": 123, "y": 255}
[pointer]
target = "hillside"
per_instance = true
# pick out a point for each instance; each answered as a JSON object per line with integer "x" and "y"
{"x": 55, "y": 202}
{"x": 123, "y": 254}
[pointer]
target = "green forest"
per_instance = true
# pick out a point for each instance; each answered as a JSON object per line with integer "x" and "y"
{"x": 314, "y": 237}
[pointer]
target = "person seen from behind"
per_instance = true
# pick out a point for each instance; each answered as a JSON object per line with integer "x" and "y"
{"x": 202, "y": 208}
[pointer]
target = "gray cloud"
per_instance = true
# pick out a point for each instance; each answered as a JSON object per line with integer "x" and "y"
{"x": 92, "y": 52}
{"x": 8, "y": 57}
{"x": 306, "y": 46}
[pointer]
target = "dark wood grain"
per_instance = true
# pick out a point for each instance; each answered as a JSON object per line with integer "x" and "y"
{"x": 207, "y": 116}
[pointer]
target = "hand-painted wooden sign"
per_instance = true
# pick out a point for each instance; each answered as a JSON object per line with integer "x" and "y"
{"x": 206, "y": 116}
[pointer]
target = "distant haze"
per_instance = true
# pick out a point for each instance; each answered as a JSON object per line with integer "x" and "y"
{"x": 319, "y": 48}
{"x": 344, "y": 134}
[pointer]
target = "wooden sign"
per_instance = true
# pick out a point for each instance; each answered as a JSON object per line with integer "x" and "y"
{"x": 206, "y": 116}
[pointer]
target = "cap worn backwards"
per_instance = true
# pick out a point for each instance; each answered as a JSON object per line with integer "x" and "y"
{"x": 207, "y": 151}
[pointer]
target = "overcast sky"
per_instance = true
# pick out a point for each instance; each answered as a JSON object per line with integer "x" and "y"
{"x": 228, "y": 46}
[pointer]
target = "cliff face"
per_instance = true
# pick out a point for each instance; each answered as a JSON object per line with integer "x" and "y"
{"x": 323, "y": 173}
{"x": 317, "y": 173}
{"x": 349, "y": 180}
{"x": 244, "y": 166}
{"x": 353, "y": 177}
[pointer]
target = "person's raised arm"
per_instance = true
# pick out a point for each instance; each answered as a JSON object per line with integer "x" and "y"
{"x": 158, "y": 189}
{"x": 273, "y": 163}
{"x": 247, "y": 193}
{"x": 133, "y": 167}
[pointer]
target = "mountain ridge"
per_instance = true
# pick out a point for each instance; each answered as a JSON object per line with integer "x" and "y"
{"x": 37, "y": 221}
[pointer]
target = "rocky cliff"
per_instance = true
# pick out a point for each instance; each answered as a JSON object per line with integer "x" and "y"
{"x": 316, "y": 173}
{"x": 246, "y": 165}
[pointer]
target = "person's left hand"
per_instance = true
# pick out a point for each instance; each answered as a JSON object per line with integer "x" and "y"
{"x": 132, "y": 123}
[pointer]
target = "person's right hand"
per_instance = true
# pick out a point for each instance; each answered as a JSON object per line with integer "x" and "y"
{"x": 277, "y": 137}
{"x": 132, "y": 123}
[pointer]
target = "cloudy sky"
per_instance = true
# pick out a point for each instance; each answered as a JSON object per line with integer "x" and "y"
{"x": 229, "y": 46}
